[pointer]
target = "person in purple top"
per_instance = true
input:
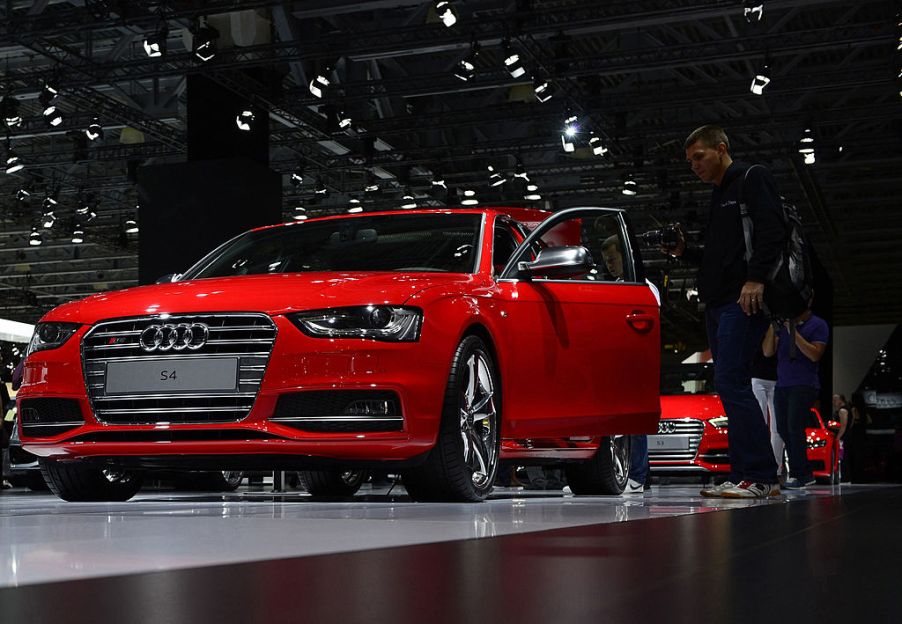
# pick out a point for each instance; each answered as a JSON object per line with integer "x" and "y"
{"x": 799, "y": 345}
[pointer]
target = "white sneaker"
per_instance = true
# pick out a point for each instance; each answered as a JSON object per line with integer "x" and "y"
{"x": 634, "y": 487}
{"x": 716, "y": 491}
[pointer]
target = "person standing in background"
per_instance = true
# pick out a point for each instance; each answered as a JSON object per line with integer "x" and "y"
{"x": 764, "y": 381}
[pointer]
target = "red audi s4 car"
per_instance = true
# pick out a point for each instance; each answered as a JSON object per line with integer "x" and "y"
{"x": 432, "y": 342}
{"x": 692, "y": 434}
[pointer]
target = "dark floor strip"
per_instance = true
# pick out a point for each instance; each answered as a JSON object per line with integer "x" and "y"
{"x": 819, "y": 560}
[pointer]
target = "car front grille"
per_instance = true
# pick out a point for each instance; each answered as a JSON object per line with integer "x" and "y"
{"x": 246, "y": 337}
{"x": 41, "y": 418}
{"x": 688, "y": 428}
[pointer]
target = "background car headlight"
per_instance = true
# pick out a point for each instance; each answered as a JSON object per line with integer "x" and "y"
{"x": 378, "y": 322}
{"x": 50, "y": 336}
{"x": 720, "y": 422}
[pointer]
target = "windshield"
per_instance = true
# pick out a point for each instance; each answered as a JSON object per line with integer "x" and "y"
{"x": 687, "y": 379}
{"x": 403, "y": 242}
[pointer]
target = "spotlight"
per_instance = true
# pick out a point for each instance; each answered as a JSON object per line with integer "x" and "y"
{"x": 23, "y": 195}
{"x": 95, "y": 130}
{"x": 753, "y": 12}
{"x": 204, "y": 44}
{"x": 520, "y": 171}
{"x": 532, "y": 193}
{"x": 78, "y": 235}
{"x": 446, "y": 13}
{"x": 597, "y": 145}
{"x": 300, "y": 213}
{"x": 130, "y": 227}
{"x": 9, "y": 108}
{"x": 512, "y": 61}
{"x": 47, "y": 95}
{"x": 47, "y": 220}
{"x": 52, "y": 116}
{"x": 35, "y": 239}
{"x": 49, "y": 203}
{"x": 371, "y": 187}
{"x": 760, "y": 81}
{"x": 806, "y": 148}
{"x": 571, "y": 129}
{"x": 245, "y": 120}
{"x": 155, "y": 44}
{"x": 466, "y": 67}
{"x": 297, "y": 177}
{"x": 469, "y": 198}
{"x": 439, "y": 180}
{"x": 495, "y": 178}
{"x": 344, "y": 120}
{"x": 629, "y": 186}
{"x": 355, "y": 209}
{"x": 13, "y": 162}
{"x": 408, "y": 201}
{"x": 319, "y": 84}
{"x": 320, "y": 188}
{"x": 544, "y": 89}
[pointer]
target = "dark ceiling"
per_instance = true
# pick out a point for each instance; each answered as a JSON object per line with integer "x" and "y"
{"x": 642, "y": 74}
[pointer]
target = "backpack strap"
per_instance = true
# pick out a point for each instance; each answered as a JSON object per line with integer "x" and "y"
{"x": 748, "y": 228}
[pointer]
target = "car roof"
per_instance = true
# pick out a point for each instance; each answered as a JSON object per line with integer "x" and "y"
{"x": 523, "y": 215}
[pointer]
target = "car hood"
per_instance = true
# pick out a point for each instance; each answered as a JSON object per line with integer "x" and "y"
{"x": 699, "y": 406}
{"x": 270, "y": 294}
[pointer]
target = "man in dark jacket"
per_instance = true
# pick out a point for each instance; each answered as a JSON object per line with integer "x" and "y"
{"x": 733, "y": 291}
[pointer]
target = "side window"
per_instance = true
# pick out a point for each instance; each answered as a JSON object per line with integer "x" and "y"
{"x": 503, "y": 246}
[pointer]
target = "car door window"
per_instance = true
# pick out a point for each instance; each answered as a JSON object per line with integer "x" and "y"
{"x": 503, "y": 248}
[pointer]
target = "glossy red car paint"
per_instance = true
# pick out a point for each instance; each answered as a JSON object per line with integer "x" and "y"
{"x": 682, "y": 414}
{"x": 549, "y": 340}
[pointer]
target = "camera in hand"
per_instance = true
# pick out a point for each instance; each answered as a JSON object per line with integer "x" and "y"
{"x": 667, "y": 237}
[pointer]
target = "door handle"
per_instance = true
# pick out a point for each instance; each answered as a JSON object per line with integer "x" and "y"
{"x": 642, "y": 322}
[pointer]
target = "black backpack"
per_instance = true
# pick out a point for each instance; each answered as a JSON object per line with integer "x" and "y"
{"x": 790, "y": 281}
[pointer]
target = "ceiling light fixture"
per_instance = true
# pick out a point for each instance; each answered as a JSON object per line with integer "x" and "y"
{"x": 130, "y": 226}
{"x": 204, "y": 43}
{"x": 320, "y": 188}
{"x": 597, "y": 145}
{"x": 520, "y": 171}
{"x": 495, "y": 177}
{"x": 13, "y": 162}
{"x": 761, "y": 80}
{"x": 245, "y": 120}
{"x": 532, "y": 193}
{"x": 806, "y": 146}
{"x": 445, "y": 12}
{"x": 35, "y": 239}
{"x": 319, "y": 83}
{"x": 9, "y": 108}
{"x": 752, "y": 11}
{"x": 466, "y": 67}
{"x": 23, "y": 195}
{"x": 95, "y": 130}
{"x": 543, "y": 88}
{"x": 408, "y": 201}
{"x": 155, "y": 44}
{"x": 439, "y": 180}
{"x": 469, "y": 198}
{"x": 512, "y": 60}
{"x": 78, "y": 235}
{"x": 299, "y": 213}
{"x": 630, "y": 187}
{"x": 569, "y": 132}
{"x": 47, "y": 220}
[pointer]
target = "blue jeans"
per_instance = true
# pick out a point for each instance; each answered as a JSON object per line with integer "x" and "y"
{"x": 638, "y": 458}
{"x": 734, "y": 337}
{"x": 791, "y": 407}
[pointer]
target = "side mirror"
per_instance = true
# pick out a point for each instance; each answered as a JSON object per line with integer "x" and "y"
{"x": 566, "y": 261}
{"x": 169, "y": 277}
{"x": 834, "y": 426}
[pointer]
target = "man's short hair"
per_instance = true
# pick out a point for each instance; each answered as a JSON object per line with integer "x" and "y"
{"x": 710, "y": 135}
{"x": 611, "y": 241}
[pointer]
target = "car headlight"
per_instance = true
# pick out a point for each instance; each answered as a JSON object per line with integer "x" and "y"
{"x": 720, "y": 422}
{"x": 377, "y": 322}
{"x": 50, "y": 336}
{"x": 813, "y": 444}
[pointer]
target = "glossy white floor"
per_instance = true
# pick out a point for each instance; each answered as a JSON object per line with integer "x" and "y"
{"x": 44, "y": 539}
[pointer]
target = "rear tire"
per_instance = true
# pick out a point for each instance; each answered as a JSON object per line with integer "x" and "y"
{"x": 76, "y": 482}
{"x": 461, "y": 467}
{"x": 606, "y": 473}
{"x": 332, "y": 483}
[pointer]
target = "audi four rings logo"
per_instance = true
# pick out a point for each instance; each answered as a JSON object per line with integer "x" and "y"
{"x": 666, "y": 426}
{"x": 174, "y": 337}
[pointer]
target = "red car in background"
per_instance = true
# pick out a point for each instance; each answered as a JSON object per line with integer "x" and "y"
{"x": 413, "y": 341}
{"x": 692, "y": 433}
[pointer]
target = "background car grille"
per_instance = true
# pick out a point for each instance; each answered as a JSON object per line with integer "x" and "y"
{"x": 249, "y": 337}
{"x": 685, "y": 427}
{"x": 340, "y": 411}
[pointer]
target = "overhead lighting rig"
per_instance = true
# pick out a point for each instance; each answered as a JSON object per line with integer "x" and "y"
{"x": 319, "y": 83}
{"x": 9, "y": 109}
{"x": 597, "y": 145}
{"x": 13, "y": 162}
{"x": 495, "y": 177}
{"x": 466, "y": 67}
{"x": 469, "y": 198}
{"x": 512, "y": 61}
{"x": 155, "y": 44}
{"x": 35, "y": 239}
{"x": 94, "y": 130}
{"x": 245, "y": 120}
{"x": 569, "y": 132}
{"x": 51, "y": 114}
{"x": 753, "y": 11}
{"x": 204, "y": 41}
{"x": 761, "y": 80}
{"x": 806, "y": 146}
{"x": 445, "y": 12}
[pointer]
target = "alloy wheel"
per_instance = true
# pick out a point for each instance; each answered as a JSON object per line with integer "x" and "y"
{"x": 478, "y": 420}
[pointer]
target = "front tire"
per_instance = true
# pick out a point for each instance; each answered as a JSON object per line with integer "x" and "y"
{"x": 461, "y": 467}
{"x": 332, "y": 483}
{"x": 76, "y": 482}
{"x": 606, "y": 473}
